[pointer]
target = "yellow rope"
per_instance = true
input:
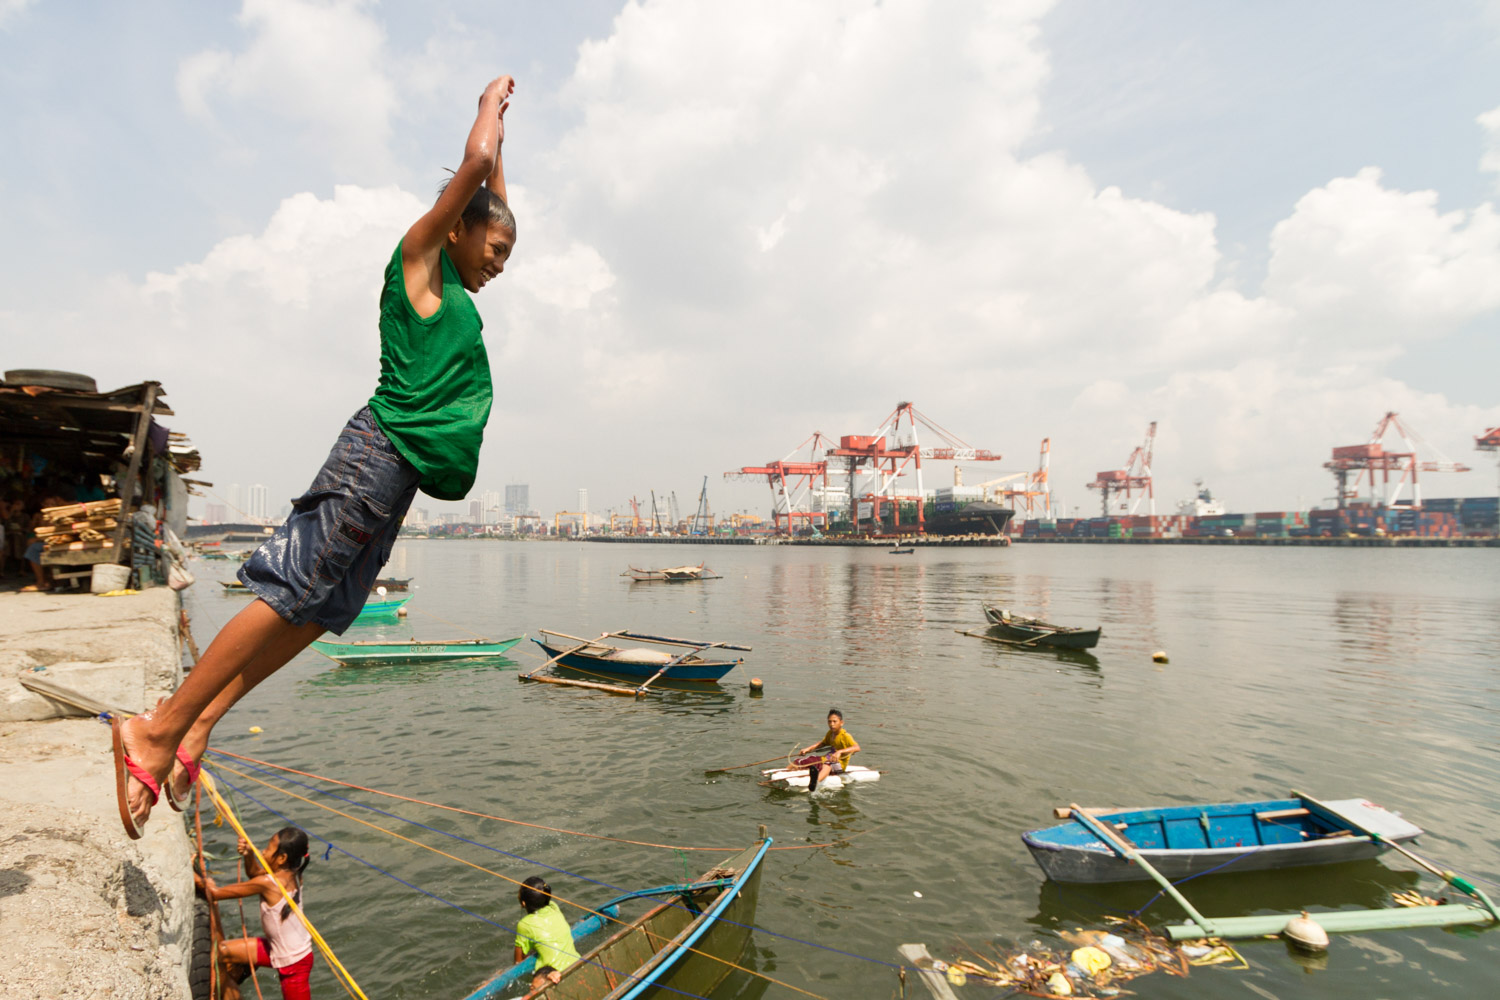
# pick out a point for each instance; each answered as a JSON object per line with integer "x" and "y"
{"x": 490, "y": 871}
{"x": 340, "y": 973}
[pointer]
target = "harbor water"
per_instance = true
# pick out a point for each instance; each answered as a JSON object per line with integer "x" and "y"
{"x": 1352, "y": 673}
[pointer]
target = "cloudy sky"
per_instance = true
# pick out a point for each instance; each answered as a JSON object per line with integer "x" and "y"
{"x": 1261, "y": 224}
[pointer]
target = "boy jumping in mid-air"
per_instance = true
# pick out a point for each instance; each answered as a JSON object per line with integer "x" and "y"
{"x": 421, "y": 429}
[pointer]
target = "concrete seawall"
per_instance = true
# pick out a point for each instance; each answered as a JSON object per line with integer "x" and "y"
{"x": 84, "y": 911}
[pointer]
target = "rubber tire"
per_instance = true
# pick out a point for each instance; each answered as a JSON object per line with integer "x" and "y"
{"x": 201, "y": 957}
{"x": 51, "y": 379}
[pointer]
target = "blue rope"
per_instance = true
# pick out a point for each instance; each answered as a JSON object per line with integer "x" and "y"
{"x": 563, "y": 871}
{"x": 1153, "y": 899}
{"x": 433, "y": 895}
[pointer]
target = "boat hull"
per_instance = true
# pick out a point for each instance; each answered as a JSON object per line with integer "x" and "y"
{"x": 672, "y": 951}
{"x": 355, "y": 653}
{"x": 375, "y": 609}
{"x": 1181, "y": 841}
{"x": 978, "y": 518}
{"x": 1053, "y": 636}
{"x": 706, "y": 670}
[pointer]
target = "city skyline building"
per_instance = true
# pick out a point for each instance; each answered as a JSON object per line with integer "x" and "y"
{"x": 583, "y": 500}
{"x": 517, "y": 498}
{"x": 235, "y": 501}
{"x": 255, "y": 502}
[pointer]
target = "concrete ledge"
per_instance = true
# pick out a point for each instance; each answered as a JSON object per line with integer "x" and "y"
{"x": 86, "y": 912}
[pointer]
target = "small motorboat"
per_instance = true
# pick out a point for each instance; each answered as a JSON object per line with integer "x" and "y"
{"x": 902, "y": 552}
{"x": 1019, "y": 630}
{"x": 1182, "y": 841}
{"x": 412, "y": 651}
{"x": 379, "y": 605}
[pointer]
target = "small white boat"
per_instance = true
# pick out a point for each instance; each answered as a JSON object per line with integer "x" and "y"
{"x": 796, "y": 779}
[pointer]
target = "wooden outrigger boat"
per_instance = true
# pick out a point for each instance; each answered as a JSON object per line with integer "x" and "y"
{"x": 909, "y": 550}
{"x": 684, "y": 946}
{"x": 672, "y": 574}
{"x": 1019, "y": 630}
{"x": 392, "y": 583}
{"x": 1181, "y": 841}
{"x": 234, "y": 587}
{"x": 598, "y": 656}
{"x": 412, "y": 650}
{"x": 377, "y": 607}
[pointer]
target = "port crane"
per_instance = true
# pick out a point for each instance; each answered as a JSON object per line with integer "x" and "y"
{"x": 1133, "y": 482}
{"x": 703, "y": 518}
{"x": 1364, "y": 462}
{"x": 793, "y": 480}
{"x": 884, "y": 466}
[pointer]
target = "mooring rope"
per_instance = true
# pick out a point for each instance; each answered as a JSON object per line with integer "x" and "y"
{"x": 410, "y": 885}
{"x": 517, "y": 822}
{"x": 507, "y": 878}
{"x": 340, "y": 973}
{"x": 614, "y": 888}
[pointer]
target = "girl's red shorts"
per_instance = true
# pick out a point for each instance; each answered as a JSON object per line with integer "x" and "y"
{"x": 296, "y": 979}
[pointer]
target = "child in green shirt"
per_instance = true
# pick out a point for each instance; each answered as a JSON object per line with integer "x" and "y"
{"x": 421, "y": 430}
{"x": 545, "y": 931}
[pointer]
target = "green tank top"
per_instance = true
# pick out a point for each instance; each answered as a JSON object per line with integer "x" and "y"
{"x": 435, "y": 393}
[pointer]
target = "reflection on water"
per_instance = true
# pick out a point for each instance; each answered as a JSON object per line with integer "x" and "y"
{"x": 1365, "y": 673}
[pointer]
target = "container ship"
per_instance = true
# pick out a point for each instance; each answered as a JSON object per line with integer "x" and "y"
{"x": 1456, "y": 517}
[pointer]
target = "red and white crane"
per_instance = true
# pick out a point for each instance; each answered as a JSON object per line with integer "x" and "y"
{"x": 1132, "y": 484}
{"x": 1357, "y": 465}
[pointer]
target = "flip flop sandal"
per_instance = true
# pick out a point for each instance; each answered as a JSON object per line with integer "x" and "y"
{"x": 125, "y": 769}
{"x": 192, "y": 768}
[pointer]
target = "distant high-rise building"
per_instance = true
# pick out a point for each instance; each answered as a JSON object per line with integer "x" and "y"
{"x": 236, "y": 502}
{"x": 255, "y": 502}
{"x": 583, "y": 501}
{"x": 476, "y": 512}
{"x": 518, "y": 499}
{"x": 417, "y": 517}
{"x": 214, "y": 513}
{"x": 491, "y": 503}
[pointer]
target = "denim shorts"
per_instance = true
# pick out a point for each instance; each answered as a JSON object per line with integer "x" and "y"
{"x": 320, "y": 565}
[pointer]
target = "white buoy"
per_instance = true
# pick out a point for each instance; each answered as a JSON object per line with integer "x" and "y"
{"x": 400, "y": 612}
{"x": 1306, "y": 933}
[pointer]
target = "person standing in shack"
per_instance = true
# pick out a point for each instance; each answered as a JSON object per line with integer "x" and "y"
{"x": 421, "y": 429}
{"x": 832, "y": 752}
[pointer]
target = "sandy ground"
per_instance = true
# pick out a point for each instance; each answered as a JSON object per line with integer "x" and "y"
{"x": 84, "y": 911}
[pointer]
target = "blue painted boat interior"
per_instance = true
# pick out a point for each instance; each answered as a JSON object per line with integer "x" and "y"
{"x": 1197, "y": 827}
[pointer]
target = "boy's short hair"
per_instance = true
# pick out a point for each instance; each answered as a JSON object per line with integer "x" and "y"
{"x": 834, "y": 711}
{"x": 484, "y": 208}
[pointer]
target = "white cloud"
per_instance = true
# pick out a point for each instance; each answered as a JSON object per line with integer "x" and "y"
{"x": 12, "y": 8}
{"x": 1360, "y": 262}
{"x": 1490, "y": 122}
{"x": 758, "y": 227}
{"x": 319, "y": 65}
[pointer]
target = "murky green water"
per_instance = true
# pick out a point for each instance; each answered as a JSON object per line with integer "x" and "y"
{"x": 1360, "y": 673}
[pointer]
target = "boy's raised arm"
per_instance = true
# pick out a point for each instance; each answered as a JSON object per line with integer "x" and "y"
{"x": 481, "y": 164}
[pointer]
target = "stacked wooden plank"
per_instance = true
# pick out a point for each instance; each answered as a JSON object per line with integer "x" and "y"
{"x": 80, "y": 526}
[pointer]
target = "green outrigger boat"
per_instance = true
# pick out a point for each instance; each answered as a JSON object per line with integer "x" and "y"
{"x": 412, "y": 650}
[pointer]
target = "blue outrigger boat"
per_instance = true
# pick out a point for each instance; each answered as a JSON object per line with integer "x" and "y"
{"x": 1180, "y": 841}
{"x": 602, "y": 657}
{"x": 683, "y": 946}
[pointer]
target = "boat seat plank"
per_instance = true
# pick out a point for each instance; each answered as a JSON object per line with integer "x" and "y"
{"x": 1274, "y": 814}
